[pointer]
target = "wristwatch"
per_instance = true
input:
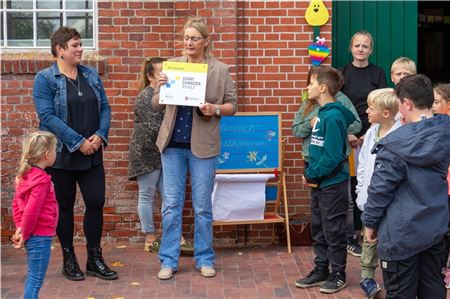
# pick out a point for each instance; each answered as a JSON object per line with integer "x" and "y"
{"x": 217, "y": 110}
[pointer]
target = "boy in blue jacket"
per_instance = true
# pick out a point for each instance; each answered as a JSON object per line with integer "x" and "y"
{"x": 328, "y": 176}
{"x": 407, "y": 208}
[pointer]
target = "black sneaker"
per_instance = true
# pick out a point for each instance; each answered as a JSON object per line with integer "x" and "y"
{"x": 353, "y": 247}
{"x": 314, "y": 278}
{"x": 335, "y": 283}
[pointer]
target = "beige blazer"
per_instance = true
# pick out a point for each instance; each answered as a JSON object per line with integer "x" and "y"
{"x": 205, "y": 135}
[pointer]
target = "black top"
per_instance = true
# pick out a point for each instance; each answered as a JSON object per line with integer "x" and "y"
{"x": 83, "y": 117}
{"x": 358, "y": 83}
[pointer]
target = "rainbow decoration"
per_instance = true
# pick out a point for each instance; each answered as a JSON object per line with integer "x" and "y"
{"x": 318, "y": 51}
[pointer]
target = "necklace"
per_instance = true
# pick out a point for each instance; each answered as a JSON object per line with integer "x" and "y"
{"x": 77, "y": 88}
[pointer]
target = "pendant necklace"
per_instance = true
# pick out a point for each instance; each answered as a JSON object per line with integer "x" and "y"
{"x": 77, "y": 88}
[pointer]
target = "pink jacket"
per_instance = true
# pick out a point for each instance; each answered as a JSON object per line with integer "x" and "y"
{"x": 35, "y": 209}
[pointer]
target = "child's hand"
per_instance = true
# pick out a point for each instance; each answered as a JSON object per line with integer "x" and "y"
{"x": 17, "y": 238}
{"x": 313, "y": 121}
{"x": 370, "y": 234}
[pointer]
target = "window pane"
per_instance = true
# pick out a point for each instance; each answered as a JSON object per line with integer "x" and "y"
{"x": 49, "y": 4}
{"x": 83, "y": 23}
{"x": 1, "y": 29}
{"x": 79, "y": 4}
{"x": 17, "y": 4}
{"x": 47, "y": 23}
{"x": 20, "y": 29}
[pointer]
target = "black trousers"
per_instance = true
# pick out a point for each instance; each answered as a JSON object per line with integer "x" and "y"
{"x": 92, "y": 187}
{"x": 419, "y": 275}
{"x": 328, "y": 226}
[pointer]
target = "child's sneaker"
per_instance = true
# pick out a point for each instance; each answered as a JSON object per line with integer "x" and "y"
{"x": 335, "y": 282}
{"x": 353, "y": 246}
{"x": 370, "y": 286}
{"x": 314, "y": 278}
{"x": 447, "y": 278}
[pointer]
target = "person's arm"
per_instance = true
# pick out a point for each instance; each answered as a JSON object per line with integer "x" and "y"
{"x": 301, "y": 127}
{"x": 382, "y": 82}
{"x": 355, "y": 126}
{"x": 388, "y": 171}
{"x": 43, "y": 97}
{"x": 362, "y": 160}
{"x": 33, "y": 208}
{"x": 105, "y": 115}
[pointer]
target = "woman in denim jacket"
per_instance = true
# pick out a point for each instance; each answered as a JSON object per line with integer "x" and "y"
{"x": 71, "y": 103}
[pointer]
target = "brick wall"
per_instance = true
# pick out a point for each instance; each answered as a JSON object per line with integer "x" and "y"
{"x": 264, "y": 43}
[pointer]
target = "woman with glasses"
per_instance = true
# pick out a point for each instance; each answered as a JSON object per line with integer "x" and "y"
{"x": 189, "y": 138}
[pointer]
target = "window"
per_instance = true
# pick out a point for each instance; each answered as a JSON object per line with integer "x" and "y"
{"x": 29, "y": 23}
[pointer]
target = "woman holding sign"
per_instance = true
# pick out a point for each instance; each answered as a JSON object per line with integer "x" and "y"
{"x": 189, "y": 137}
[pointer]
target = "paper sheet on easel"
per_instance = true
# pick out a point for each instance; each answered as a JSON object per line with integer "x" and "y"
{"x": 239, "y": 196}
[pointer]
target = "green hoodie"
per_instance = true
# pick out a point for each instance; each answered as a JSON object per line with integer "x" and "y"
{"x": 329, "y": 143}
{"x": 301, "y": 127}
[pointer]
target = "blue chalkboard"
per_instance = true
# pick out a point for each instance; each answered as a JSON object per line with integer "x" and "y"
{"x": 250, "y": 142}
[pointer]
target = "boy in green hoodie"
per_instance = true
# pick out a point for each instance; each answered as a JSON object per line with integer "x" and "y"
{"x": 328, "y": 175}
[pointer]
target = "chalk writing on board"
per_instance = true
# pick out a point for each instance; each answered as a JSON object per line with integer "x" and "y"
{"x": 249, "y": 141}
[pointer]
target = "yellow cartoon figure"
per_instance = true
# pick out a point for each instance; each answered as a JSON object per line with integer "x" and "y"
{"x": 316, "y": 13}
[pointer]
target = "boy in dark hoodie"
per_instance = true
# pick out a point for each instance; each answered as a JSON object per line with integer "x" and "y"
{"x": 407, "y": 208}
{"x": 328, "y": 176}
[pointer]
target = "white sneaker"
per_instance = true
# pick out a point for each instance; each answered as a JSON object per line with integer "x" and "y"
{"x": 207, "y": 271}
{"x": 165, "y": 273}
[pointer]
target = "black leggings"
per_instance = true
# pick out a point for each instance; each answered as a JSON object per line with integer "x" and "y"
{"x": 92, "y": 187}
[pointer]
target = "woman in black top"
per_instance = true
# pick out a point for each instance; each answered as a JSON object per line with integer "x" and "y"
{"x": 360, "y": 78}
{"x": 71, "y": 103}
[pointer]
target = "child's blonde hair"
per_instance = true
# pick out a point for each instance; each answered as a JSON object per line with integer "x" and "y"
{"x": 33, "y": 147}
{"x": 384, "y": 99}
{"x": 406, "y": 63}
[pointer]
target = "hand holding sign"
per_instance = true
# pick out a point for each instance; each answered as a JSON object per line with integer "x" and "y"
{"x": 184, "y": 84}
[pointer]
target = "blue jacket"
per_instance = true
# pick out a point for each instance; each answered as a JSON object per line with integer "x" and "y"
{"x": 329, "y": 144}
{"x": 50, "y": 100}
{"x": 407, "y": 197}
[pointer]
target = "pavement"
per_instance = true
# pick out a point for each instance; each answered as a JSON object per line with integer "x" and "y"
{"x": 242, "y": 272}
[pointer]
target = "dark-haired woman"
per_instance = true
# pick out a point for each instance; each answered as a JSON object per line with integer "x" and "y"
{"x": 71, "y": 103}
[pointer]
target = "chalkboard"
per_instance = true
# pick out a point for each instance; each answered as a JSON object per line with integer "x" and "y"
{"x": 250, "y": 142}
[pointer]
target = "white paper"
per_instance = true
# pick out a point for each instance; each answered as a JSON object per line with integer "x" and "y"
{"x": 239, "y": 196}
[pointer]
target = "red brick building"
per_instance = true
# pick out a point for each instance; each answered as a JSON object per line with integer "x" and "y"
{"x": 264, "y": 43}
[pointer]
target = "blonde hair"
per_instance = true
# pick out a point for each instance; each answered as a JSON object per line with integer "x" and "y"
{"x": 384, "y": 99}
{"x": 34, "y": 146}
{"x": 148, "y": 68}
{"x": 200, "y": 25}
{"x": 443, "y": 90}
{"x": 364, "y": 33}
{"x": 406, "y": 63}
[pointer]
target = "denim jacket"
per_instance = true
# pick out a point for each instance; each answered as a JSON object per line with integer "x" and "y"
{"x": 50, "y": 100}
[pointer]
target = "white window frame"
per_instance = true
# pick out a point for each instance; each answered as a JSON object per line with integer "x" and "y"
{"x": 34, "y": 10}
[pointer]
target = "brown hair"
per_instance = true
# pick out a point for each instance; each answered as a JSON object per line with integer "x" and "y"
{"x": 148, "y": 68}
{"x": 200, "y": 25}
{"x": 61, "y": 36}
{"x": 329, "y": 76}
{"x": 34, "y": 147}
{"x": 443, "y": 90}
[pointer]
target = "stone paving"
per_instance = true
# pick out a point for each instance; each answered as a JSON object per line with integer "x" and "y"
{"x": 250, "y": 272}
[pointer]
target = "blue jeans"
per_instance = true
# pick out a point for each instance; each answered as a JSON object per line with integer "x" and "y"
{"x": 38, "y": 253}
{"x": 147, "y": 189}
{"x": 175, "y": 162}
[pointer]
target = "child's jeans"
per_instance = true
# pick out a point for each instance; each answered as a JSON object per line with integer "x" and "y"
{"x": 38, "y": 252}
{"x": 369, "y": 258}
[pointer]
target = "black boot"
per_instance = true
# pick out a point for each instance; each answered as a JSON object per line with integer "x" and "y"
{"x": 71, "y": 270}
{"x": 96, "y": 266}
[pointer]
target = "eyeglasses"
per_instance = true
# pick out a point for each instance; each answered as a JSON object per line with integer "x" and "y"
{"x": 193, "y": 38}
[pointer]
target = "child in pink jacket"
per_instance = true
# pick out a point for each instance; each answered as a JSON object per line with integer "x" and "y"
{"x": 35, "y": 209}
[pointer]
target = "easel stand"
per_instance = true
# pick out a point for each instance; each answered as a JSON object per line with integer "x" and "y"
{"x": 271, "y": 215}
